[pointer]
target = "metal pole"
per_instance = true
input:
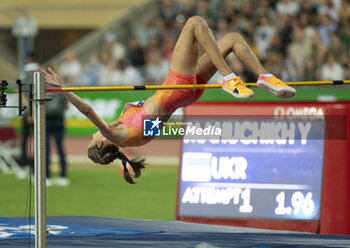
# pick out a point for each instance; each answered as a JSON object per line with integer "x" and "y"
{"x": 21, "y": 55}
{"x": 39, "y": 162}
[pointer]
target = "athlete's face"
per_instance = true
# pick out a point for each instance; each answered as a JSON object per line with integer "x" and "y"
{"x": 97, "y": 138}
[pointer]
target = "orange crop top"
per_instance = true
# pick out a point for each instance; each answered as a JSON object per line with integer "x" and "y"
{"x": 132, "y": 117}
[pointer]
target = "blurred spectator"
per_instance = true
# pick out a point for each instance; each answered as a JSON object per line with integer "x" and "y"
{"x": 347, "y": 75}
{"x": 329, "y": 9}
{"x": 189, "y": 8}
{"x": 146, "y": 31}
{"x": 136, "y": 55}
{"x": 92, "y": 71}
{"x": 168, "y": 11}
{"x": 114, "y": 47}
{"x": 276, "y": 44}
{"x": 344, "y": 12}
{"x": 168, "y": 47}
{"x": 55, "y": 128}
{"x": 344, "y": 31}
{"x": 296, "y": 34}
{"x": 263, "y": 35}
{"x": 331, "y": 69}
{"x": 154, "y": 46}
{"x": 222, "y": 28}
{"x": 274, "y": 62}
{"x": 27, "y": 76}
{"x": 156, "y": 69}
{"x": 264, "y": 9}
{"x": 176, "y": 27}
{"x": 70, "y": 68}
{"x": 338, "y": 4}
{"x": 288, "y": 74}
{"x": 245, "y": 19}
{"x": 204, "y": 10}
{"x": 228, "y": 12}
{"x": 246, "y": 9}
{"x": 106, "y": 76}
{"x": 163, "y": 29}
{"x": 309, "y": 9}
{"x": 306, "y": 26}
{"x": 287, "y": 7}
{"x": 107, "y": 67}
{"x": 325, "y": 28}
{"x": 246, "y": 27}
{"x": 215, "y": 6}
{"x": 286, "y": 32}
{"x": 125, "y": 74}
{"x": 338, "y": 49}
{"x": 309, "y": 69}
{"x": 298, "y": 50}
{"x": 319, "y": 49}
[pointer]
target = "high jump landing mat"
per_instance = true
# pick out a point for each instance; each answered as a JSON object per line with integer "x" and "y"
{"x": 89, "y": 231}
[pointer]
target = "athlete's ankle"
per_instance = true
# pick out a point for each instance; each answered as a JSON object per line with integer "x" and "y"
{"x": 266, "y": 75}
{"x": 229, "y": 77}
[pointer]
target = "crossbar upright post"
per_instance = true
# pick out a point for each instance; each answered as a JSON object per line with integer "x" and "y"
{"x": 39, "y": 161}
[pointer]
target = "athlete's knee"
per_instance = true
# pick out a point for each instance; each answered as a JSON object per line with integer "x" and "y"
{"x": 234, "y": 37}
{"x": 196, "y": 21}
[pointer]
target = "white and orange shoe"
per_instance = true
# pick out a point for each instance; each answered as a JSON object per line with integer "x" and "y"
{"x": 237, "y": 88}
{"x": 275, "y": 86}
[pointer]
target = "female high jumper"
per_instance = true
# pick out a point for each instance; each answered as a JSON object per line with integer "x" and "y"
{"x": 185, "y": 68}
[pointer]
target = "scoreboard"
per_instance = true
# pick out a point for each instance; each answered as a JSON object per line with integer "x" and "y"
{"x": 251, "y": 177}
{"x": 258, "y": 164}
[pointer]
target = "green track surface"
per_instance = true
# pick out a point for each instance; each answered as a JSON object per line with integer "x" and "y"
{"x": 98, "y": 191}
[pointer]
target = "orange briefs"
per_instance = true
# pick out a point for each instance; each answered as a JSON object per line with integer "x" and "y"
{"x": 171, "y": 100}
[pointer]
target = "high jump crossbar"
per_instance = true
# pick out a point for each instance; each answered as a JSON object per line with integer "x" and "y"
{"x": 185, "y": 86}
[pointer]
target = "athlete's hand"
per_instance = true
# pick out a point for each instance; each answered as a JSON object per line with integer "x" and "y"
{"x": 52, "y": 77}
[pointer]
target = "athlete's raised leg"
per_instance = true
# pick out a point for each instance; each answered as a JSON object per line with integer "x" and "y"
{"x": 234, "y": 42}
{"x": 185, "y": 55}
{"x": 231, "y": 42}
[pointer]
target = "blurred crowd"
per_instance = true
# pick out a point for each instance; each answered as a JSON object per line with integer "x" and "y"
{"x": 295, "y": 40}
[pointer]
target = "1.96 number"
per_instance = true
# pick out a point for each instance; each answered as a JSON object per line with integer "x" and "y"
{"x": 300, "y": 203}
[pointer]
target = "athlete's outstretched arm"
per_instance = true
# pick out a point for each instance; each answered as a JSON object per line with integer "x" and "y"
{"x": 52, "y": 78}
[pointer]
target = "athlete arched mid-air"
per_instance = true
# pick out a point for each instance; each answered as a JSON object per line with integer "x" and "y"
{"x": 185, "y": 68}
